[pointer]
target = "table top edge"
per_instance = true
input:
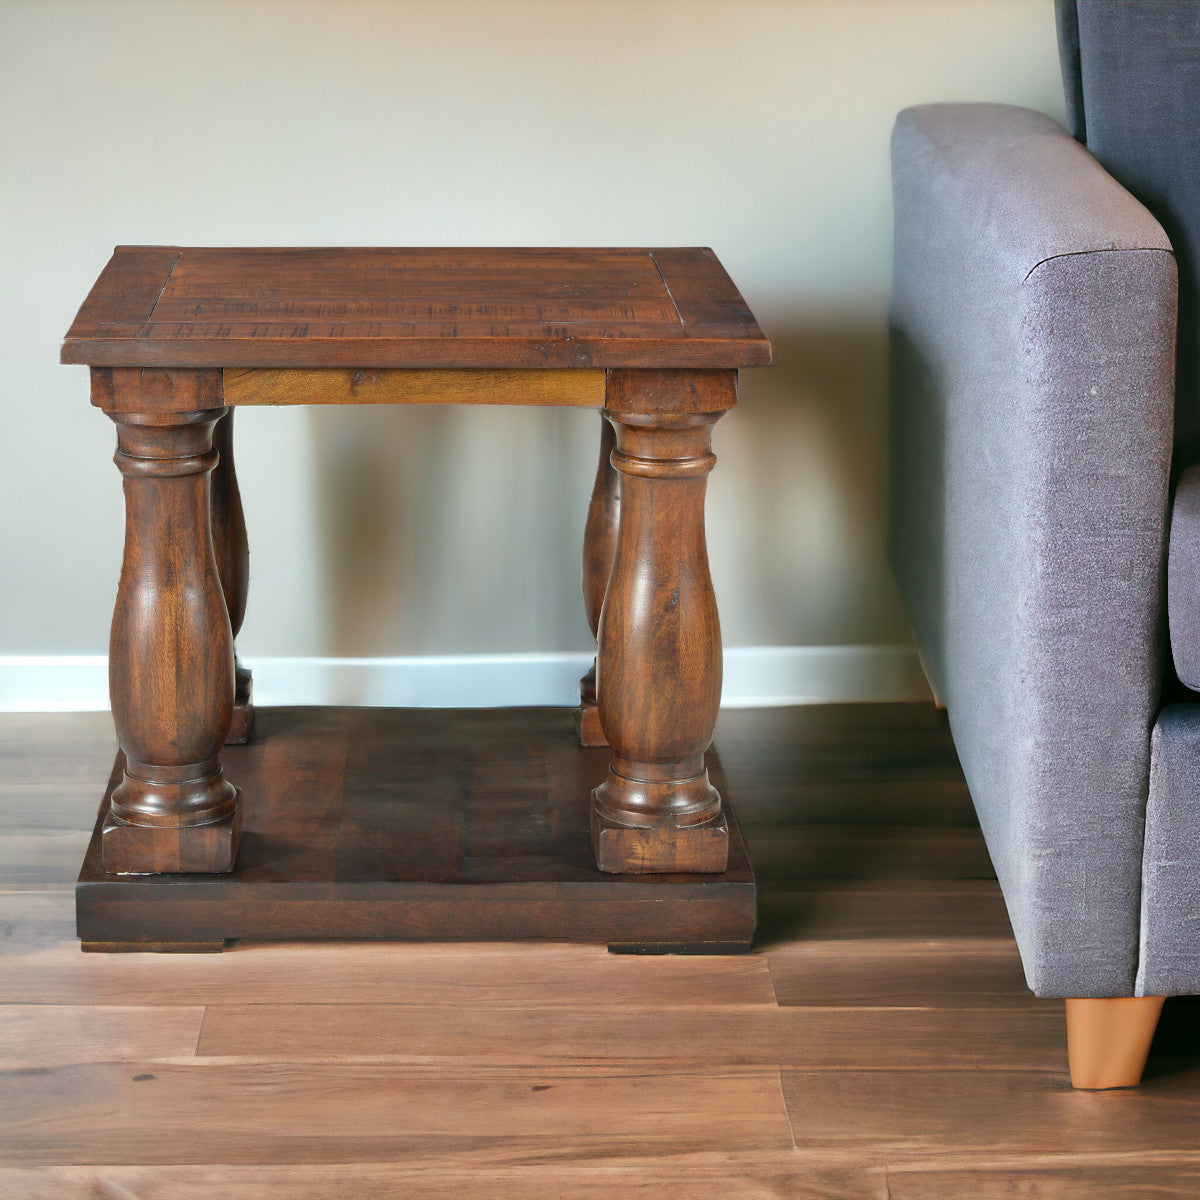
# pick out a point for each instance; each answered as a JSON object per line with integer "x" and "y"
{"x": 446, "y": 354}
{"x": 115, "y": 326}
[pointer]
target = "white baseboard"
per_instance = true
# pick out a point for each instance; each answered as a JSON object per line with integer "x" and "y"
{"x": 755, "y": 676}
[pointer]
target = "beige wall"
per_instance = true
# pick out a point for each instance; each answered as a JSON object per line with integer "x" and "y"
{"x": 759, "y": 128}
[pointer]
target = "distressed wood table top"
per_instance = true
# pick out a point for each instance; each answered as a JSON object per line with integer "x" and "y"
{"x": 162, "y": 306}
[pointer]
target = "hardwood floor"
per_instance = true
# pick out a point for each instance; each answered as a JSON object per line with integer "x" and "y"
{"x": 880, "y": 1042}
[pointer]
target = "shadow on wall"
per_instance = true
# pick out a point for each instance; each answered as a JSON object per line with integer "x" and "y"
{"x": 800, "y": 495}
{"x": 918, "y": 441}
{"x": 449, "y": 530}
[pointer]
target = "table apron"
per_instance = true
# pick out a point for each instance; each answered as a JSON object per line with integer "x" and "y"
{"x": 577, "y": 388}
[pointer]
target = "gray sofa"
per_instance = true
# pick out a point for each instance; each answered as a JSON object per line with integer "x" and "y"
{"x": 1037, "y": 432}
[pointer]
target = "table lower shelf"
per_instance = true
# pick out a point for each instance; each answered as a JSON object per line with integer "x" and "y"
{"x": 417, "y": 824}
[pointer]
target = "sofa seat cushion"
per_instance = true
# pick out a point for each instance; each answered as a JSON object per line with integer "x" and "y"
{"x": 1169, "y": 951}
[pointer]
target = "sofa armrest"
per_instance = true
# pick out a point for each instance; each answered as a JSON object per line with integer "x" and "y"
{"x": 1033, "y": 346}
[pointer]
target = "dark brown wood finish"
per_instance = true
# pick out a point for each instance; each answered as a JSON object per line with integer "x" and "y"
{"x": 417, "y": 823}
{"x": 500, "y": 308}
{"x": 155, "y": 390}
{"x": 232, "y": 550}
{"x": 659, "y": 663}
{"x": 599, "y": 547}
{"x": 171, "y": 667}
{"x": 556, "y": 388}
{"x": 175, "y": 337}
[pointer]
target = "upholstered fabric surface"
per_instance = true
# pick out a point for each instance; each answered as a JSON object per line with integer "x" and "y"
{"x": 1131, "y": 69}
{"x": 1183, "y": 579}
{"x": 1170, "y": 950}
{"x": 1033, "y": 331}
{"x": 1066, "y": 16}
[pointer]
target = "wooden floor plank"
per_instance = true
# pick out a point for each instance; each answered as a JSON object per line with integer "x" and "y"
{"x": 50, "y": 808}
{"x": 74, "y": 750}
{"x": 41, "y": 861}
{"x": 964, "y": 1119}
{"x": 31, "y": 920}
{"x": 662, "y": 1038}
{"x": 1155, "y": 1181}
{"x": 43, "y": 1035}
{"x": 40, "y": 961}
{"x": 903, "y": 909}
{"x": 866, "y": 732}
{"x": 172, "y": 1113}
{"x": 783, "y": 795}
{"x": 804, "y": 853}
{"x": 973, "y": 973}
{"x": 842, "y": 742}
{"x": 754, "y": 1175}
{"x": 751, "y": 1176}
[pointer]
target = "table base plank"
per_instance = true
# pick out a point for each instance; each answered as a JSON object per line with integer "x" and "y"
{"x": 418, "y": 824}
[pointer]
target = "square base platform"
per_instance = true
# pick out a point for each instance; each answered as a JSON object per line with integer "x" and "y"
{"x": 418, "y": 824}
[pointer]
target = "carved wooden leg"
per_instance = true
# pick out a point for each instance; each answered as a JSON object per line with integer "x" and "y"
{"x": 233, "y": 564}
{"x": 599, "y": 546}
{"x": 660, "y": 656}
{"x": 170, "y": 657}
{"x": 1108, "y": 1040}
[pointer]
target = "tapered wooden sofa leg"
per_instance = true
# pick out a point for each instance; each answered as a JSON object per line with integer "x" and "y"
{"x": 1108, "y": 1040}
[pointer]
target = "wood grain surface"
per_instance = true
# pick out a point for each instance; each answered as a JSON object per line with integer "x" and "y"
{"x": 965, "y": 1119}
{"x": 419, "y": 823}
{"x": 833, "y": 1038}
{"x": 33, "y": 1036}
{"x": 171, "y": 659}
{"x": 560, "y": 389}
{"x": 658, "y": 672}
{"x": 763, "y": 1175}
{"x": 878, "y": 1045}
{"x": 159, "y": 306}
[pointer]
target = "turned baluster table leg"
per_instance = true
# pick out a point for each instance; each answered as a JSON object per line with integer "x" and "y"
{"x": 232, "y": 551}
{"x": 171, "y": 668}
{"x": 659, "y": 671}
{"x": 599, "y": 546}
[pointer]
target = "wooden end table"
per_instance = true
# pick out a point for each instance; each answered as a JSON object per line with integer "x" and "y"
{"x": 334, "y": 822}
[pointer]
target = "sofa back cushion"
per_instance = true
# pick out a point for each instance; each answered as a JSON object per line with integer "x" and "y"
{"x": 1131, "y": 69}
